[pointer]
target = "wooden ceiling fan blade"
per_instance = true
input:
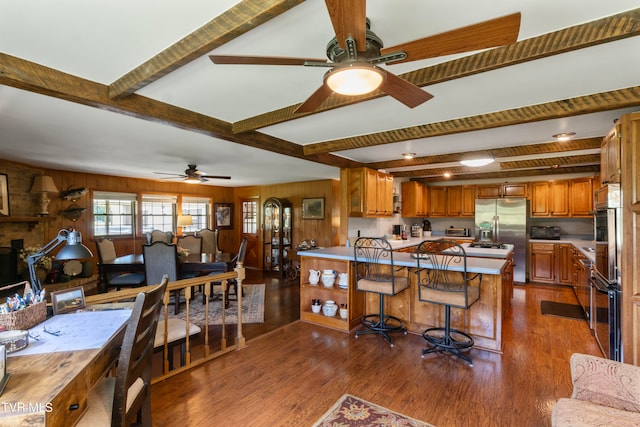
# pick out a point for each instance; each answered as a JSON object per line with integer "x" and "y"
{"x": 262, "y": 60}
{"x": 215, "y": 177}
{"x": 176, "y": 175}
{"x": 349, "y": 18}
{"x": 404, "y": 91}
{"x": 315, "y": 100}
{"x": 492, "y": 33}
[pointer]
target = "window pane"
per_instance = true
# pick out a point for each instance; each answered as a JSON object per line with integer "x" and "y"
{"x": 113, "y": 217}
{"x": 199, "y": 212}
{"x": 158, "y": 216}
{"x": 249, "y": 217}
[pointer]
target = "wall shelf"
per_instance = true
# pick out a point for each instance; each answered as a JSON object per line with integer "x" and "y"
{"x": 31, "y": 220}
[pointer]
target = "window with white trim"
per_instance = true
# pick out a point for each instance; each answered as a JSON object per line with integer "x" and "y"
{"x": 113, "y": 213}
{"x": 199, "y": 209}
{"x": 158, "y": 213}
{"x": 249, "y": 217}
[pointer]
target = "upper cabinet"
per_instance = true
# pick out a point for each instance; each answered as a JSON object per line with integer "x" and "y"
{"x": 493, "y": 191}
{"x": 610, "y": 157}
{"x": 415, "y": 199}
{"x": 452, "y": 201}
{"x": 370, "y": 193}
{"x": 581, "y": 197}
{"x": 550, "y": 198}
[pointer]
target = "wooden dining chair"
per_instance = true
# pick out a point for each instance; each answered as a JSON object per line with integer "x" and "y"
{"x": 126, "y": 398}
{"x": 159, "y": 236}
{"x": 231, "y": 283}
{"x": 107, "y": 252}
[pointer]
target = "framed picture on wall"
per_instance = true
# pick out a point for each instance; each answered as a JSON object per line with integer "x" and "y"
{"x": 223, "y": 215}
{"x": 313, "y": 208}
{"x": 4, "y": 194}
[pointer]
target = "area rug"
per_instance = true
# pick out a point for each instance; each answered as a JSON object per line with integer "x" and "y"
{"x": 560, "y": 309}
{"x": 252, "y": 308}
{"x": 353, "y": 411}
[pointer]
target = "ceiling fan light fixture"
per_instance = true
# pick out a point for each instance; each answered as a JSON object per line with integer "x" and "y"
{"x": 354, "y": 79}
{"x": 192, "y": 180}
{"x": 477, "y": 162}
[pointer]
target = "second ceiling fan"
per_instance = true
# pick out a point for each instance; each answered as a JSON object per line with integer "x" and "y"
{"x": 356, "y": 50}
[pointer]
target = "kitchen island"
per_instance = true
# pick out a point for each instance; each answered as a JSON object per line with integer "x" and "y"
{"x": 483, "y": 321}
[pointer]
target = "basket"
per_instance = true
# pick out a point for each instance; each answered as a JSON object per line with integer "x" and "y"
{"x": 26, "y": 317}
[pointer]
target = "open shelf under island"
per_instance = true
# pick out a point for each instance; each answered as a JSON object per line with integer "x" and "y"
{"x": 483, "y": 320}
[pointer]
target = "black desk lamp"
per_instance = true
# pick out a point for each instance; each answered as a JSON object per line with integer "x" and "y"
{"x": 74, "y": 249}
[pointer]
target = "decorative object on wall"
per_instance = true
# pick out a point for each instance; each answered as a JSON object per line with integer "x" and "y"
{"x": 4, "y": 195}
{"x": 44, "y": 185}
{"x": 73, "y": 212}
{"x": 223, "y": 215}
{"x": 313, "y": 208}
{"x": 74, "y": 194}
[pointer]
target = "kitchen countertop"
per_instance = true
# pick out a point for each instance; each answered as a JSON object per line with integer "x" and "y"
{"x": 579, "y": 244}
{"x": 474, "y": 265}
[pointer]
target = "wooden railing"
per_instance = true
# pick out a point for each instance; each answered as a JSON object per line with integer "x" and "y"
{"x": 186, "y": 286}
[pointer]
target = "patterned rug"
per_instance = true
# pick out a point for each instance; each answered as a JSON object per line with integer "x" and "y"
{"x": 252, "y": 308}
{"x": 353, "y": 411}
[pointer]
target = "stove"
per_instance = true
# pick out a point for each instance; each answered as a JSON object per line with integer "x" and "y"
{"x": 487, "y": 245}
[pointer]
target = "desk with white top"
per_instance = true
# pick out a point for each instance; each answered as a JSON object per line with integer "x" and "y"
{"x": 48, "y": 385}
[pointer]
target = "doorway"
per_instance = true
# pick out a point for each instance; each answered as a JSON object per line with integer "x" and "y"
{"x": 250, "y": 221}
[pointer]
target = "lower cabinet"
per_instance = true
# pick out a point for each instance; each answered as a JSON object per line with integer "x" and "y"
{"x": 353, "y": 299}
{"x": 542, "y": 266}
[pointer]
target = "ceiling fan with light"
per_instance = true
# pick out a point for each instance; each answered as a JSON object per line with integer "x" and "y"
{"x": 356, "y": 50}
{"x": 193, "y": 176}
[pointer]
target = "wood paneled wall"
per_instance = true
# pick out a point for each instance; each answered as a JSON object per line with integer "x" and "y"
{"x": 23, "y": 203}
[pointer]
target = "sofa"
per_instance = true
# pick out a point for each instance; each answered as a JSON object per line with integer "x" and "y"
{"x": 605, "y": 393}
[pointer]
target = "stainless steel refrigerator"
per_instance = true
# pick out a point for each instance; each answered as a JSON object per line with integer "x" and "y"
{"x": 505, "y": 221}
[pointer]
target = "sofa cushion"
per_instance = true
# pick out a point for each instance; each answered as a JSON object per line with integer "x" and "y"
{"x": 605, "y": 382}
{"x": 576, "y": 413}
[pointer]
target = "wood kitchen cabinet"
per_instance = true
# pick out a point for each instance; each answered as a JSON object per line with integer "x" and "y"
{"x": 564, "y": 264}
{"x": 370, "y": 193}
{"x": 438, "y": 201}
{"x": 468, "y": 200}
{"x": 543, "y": 261}
{"x": 581, "y": 197}
{"x": 610, "y": 157}
{"x": 550, "y": 198}
{"x": 415, "y": 201}
{"x": 494, "y": 191}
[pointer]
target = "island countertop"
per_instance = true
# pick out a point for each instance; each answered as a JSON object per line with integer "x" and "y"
{"x": 474, "y": 264}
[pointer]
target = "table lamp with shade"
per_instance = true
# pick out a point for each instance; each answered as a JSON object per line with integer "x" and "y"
{"x": 44, "y": 185}
{"x": 74, "y": 249}
{"x": 184, "y": 221}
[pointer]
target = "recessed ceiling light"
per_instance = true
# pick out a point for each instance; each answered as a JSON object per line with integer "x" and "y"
{"x": 408, "y": 155}
{"x": 447, "y": 175}
{"x": 564, "y": 136}
{"x": 477, "y": 162}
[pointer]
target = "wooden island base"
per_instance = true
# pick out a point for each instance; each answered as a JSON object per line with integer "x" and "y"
{"x": 483, "y": 320}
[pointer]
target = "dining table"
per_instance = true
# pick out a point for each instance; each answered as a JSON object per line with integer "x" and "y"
{"x": 199, "y": 264}
{"x": 50, "y": 379}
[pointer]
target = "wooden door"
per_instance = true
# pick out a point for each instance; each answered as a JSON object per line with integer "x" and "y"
{"x": 250, "y": 220}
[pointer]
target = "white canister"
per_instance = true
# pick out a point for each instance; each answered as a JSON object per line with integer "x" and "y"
{"x": 330, "y": 308}
{"x": 328, "y": 278}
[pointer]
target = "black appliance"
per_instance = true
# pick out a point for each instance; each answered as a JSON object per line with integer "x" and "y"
{"x": 544, "y": 232}
{"x": 605, "y": 306}
{"x": 605, "y": 281}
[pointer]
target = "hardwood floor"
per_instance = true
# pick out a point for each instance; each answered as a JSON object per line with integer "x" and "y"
{"x": 290, "y": 375}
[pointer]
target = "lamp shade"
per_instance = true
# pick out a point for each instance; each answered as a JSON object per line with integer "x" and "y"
{"x": 43, "y": 184}
{"x": 74, "y": 249}
{"x": 185, "y": 220}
